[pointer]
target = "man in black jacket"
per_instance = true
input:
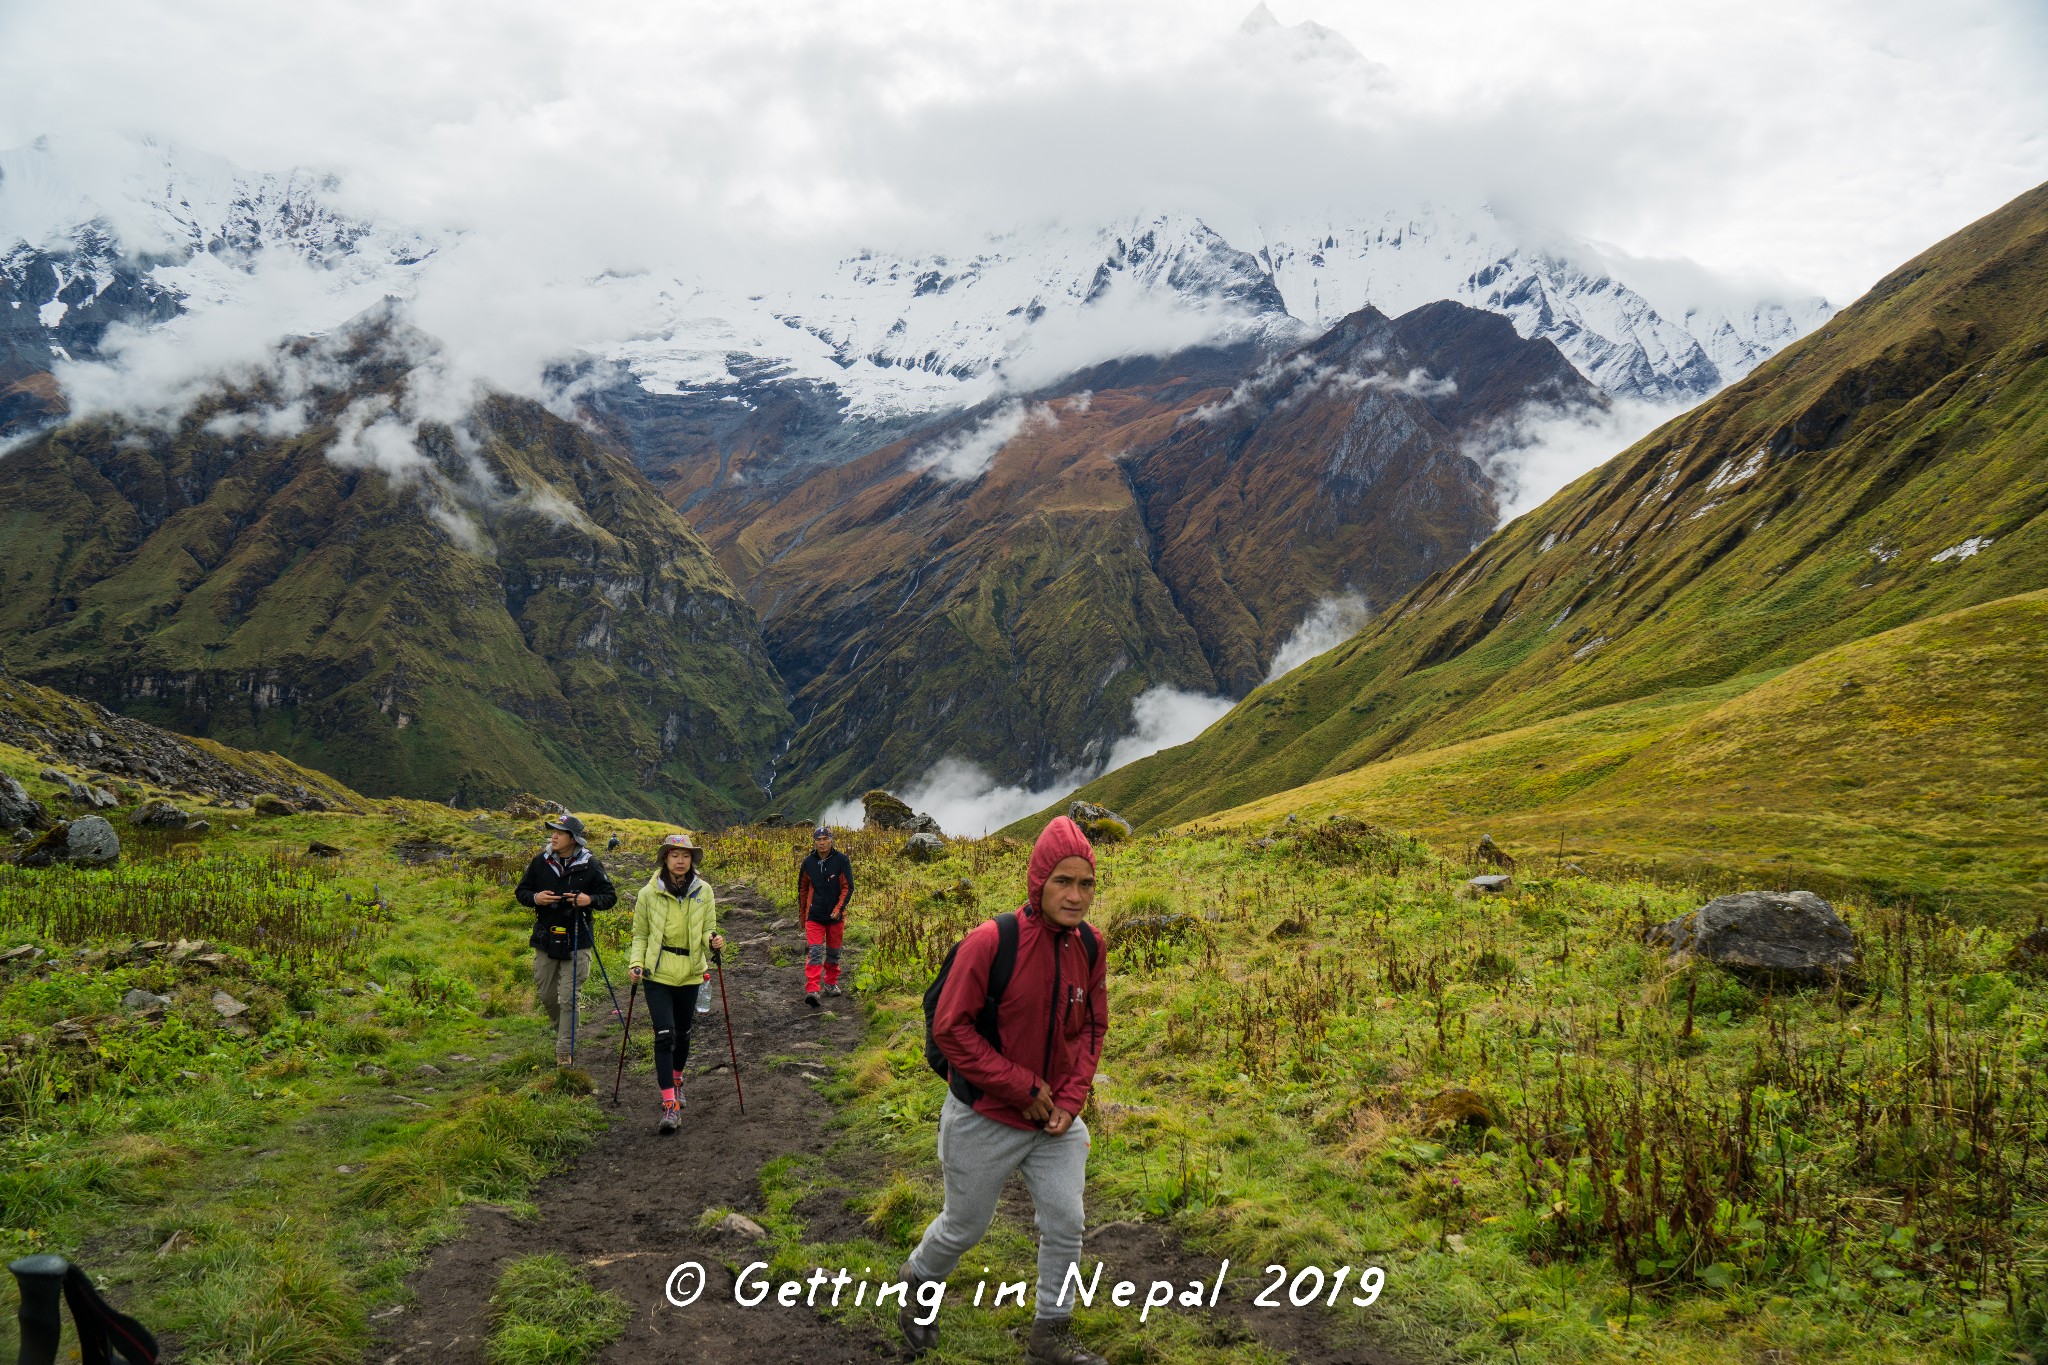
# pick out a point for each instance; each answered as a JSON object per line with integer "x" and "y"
{"x": 824, "y": 884}
{"x": 564, "y": 886}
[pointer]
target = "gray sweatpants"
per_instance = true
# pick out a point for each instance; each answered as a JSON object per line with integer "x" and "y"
{"x": 977, "y": 1155}
{"x": 553, "y": 991}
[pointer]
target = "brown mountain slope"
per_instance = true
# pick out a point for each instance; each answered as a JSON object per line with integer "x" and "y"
{"x": 1890, "y": 468}
{"x": 1161, "y": 523}
{"x": 1340, "y": 468}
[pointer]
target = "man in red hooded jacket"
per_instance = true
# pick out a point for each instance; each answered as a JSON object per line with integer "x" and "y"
{"x": 1014, "y": 1104}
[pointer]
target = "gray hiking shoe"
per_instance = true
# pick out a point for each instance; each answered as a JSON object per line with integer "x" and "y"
{"x": 921, "y": 1338}
{"x": 1052, "y": 1343}
{"x": 671, "y": 1119}
{"x": 833, "y": 989}
{"x": 811, "y": 999}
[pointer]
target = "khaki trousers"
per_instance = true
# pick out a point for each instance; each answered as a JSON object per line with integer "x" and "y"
{"x": 554, "y": 992}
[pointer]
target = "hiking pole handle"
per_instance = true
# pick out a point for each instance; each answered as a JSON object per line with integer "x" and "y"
{"x": 41, "y": 1281}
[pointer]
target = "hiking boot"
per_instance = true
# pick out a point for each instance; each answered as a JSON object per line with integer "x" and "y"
{"x": 921, "y": 1338}
{"x": 564, "y": 1057}
{"x": 671, "y": 1118}
{"x": 811, "y": 999}
{"x": 1052, "y": 1343}
{"x": 833, "y": 989}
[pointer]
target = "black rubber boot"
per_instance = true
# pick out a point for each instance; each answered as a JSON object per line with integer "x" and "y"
{"x": 1053, "y": 1343}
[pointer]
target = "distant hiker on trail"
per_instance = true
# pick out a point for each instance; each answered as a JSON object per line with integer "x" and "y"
{"x": 1016, "y": 1019}
{"x": 675, "y": 929}
{"x": 564, "y": 886}
{"x": 824, "y": 884}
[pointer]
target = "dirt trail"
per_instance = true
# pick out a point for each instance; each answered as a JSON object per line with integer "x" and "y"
{"x": 596, "y": 1214}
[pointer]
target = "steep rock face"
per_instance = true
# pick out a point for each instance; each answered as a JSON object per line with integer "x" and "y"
{"x": 1884, "y": 471}
{"x": 1340, "y": 468}
{"x": 506, "y": 606}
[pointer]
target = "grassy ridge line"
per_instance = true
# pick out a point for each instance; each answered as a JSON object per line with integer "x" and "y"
{"x": 1830, "y": 496}
{"x": 1903, "y": 764}
{"x": 42, "y": 727}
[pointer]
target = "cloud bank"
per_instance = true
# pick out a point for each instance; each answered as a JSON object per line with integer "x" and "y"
{"x": 554, "y": 152}
{"x": 1329, "y": 623}
{"x": 965, "y": 800}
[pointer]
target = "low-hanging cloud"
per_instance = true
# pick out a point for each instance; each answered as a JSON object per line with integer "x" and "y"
{"x": 1329, "y": 623}
{"x": 966, "y": 800}
{"x": 967, "y": 455}
{"x": 1539, "y": 450}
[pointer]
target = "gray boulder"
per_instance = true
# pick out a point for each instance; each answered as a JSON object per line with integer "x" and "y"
{"x": 923, "y": 847}
{"x": 159, "y": 815}
{"x": 885, "y": 810}
{"x": 144, "y": 1002}
{"x": 923, "y": 824}
{"x": 1086, "y": 813}
{"x": 19, "y": 810}
{"x": 1492, "y": 884}
{"x": 88, "y": 841}
{"x": 1791, "y": 937}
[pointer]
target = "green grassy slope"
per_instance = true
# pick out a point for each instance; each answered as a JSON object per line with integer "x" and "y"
{"x": 1904, "y": 764}
{"x": 1886, "y": 470}
{"x": 520, "y": 611}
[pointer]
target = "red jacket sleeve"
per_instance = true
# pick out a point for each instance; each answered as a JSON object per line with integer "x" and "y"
{"x": 953, "y": 1028}
{"x": 1071, "y": 1094}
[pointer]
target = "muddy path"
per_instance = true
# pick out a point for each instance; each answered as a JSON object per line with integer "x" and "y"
{"x": 605, "y": 1213}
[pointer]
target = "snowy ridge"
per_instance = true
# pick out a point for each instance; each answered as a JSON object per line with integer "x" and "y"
{"x": 1610, "y": 332}
{"x": 898, "y": 335}
{"x": 196, "y": 230}
{"x": 888, "y": 336}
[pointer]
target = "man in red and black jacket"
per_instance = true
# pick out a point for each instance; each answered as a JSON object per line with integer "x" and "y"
{"x": 1014, "y": 1100}
{"x": 824, "y": 884}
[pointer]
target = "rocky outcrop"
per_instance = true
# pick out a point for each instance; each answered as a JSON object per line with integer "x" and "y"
{"x": 924, "y": 848}
{"x": 885, "y": 810}
{"x": 1101, "y": 824}
{"x": 1791, "y": 937}
{"x": 115, "y": 751}
{"x": 88, "y": 841}
{"x": 19, "y": 810}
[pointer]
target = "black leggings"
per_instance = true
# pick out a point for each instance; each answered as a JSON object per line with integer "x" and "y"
{"x": 673, "y": 1010}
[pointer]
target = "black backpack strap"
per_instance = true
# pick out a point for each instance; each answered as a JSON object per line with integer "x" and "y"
{"x": 105, "y": 1337}
{"x": 999, "y": 973}
{"x": 1089, "y": 945}
{"x": 1001, "y": 970}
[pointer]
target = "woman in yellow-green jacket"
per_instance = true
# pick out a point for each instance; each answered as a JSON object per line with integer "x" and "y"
{"x": 675, "y": 927}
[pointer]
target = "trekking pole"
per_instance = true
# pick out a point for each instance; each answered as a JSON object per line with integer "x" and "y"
{"x": 725, "y": 1008}
{"x": 598, "y": 953}
{"x": 41, "y": 1281}
{"x": 575, "y": 987}
{"x": 632, "y": 992}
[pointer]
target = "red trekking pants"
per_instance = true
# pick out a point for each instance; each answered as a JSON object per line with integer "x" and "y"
{"x": 822, "y": 951}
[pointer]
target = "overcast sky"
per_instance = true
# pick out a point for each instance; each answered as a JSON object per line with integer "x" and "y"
{"x": 1814, "y": 143}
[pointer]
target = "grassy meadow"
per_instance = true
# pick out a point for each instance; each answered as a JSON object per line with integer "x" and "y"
{"x": 1323, "y": 1052}
{"x": 258, "y": 1186}
{"x": 1556, "y": 1145}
